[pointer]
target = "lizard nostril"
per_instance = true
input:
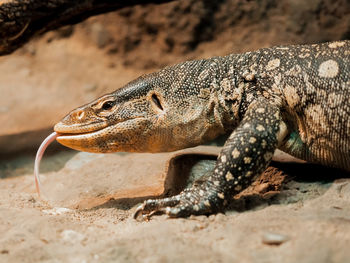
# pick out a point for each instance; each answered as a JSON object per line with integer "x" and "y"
{"x": 80, "y": 114}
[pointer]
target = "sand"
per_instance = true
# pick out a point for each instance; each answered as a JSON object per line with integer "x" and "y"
{"x": 293, "y": 213}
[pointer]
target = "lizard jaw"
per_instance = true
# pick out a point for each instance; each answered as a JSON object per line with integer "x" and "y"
{"x": 82, "y": 141}
{"x": 110, "y": 138}
{"x": 79, "y": 137}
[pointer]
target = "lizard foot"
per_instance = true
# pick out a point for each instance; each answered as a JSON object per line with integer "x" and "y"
{"x": 189, "y": 202}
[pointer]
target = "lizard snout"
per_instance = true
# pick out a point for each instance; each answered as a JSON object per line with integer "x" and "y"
{"x": 79, "y": 121}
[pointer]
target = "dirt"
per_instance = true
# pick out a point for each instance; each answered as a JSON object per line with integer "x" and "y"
{"x": 85, "y": 214}
{"x": 295, "y": 212}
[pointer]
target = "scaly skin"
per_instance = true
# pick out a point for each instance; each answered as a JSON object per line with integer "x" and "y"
{"x": 295, "y": 98}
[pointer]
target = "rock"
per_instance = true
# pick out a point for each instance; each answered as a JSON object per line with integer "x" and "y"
{"x": 270, "y": 238}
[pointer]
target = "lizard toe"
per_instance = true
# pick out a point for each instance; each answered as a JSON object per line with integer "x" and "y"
{"x": 152, "y": 206}
{"x": 190, "y": 206}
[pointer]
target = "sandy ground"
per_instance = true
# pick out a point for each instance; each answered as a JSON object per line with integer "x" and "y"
{"x": 85, "y": 214}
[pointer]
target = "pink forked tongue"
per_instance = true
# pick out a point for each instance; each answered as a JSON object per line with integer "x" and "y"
{"x": 49, "y": 139}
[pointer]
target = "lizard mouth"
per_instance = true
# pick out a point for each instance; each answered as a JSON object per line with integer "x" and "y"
{"x": 96, "y": 138}
{"x": 68, "y": 130}
{"x": 82, "y": 141}
{"x": 79, "y": 137}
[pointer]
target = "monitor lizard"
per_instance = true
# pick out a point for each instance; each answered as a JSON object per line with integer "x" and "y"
{"x": 294, "y": 98}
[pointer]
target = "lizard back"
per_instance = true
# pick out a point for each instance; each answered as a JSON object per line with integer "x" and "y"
{"x": 314, "y": 84}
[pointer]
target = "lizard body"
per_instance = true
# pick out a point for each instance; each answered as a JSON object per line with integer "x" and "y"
{"x": 295, "y": 98}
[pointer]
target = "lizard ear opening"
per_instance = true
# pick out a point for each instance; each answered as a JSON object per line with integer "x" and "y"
{"x": 156, "y": 101}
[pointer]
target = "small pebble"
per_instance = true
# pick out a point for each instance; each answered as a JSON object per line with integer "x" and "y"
{"x": 274, "y": 239}
{"x": 212, "y": 218}
{"x": 337, "y": 207}
{"x": 57, "y": 211}
{"x": 220, "y": 217}
{"x": 200, "y": 226}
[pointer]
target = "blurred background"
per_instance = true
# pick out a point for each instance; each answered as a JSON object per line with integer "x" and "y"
{"x": 73, "y": 65}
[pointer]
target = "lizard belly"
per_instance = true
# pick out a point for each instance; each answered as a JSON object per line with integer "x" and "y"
{"x": 318, "y": 149}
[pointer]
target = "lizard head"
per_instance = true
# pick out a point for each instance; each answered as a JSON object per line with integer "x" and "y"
{"x": 159, "y": 112}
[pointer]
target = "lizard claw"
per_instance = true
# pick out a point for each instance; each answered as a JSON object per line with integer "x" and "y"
{"x": 141, "y": 215}
{"x": 151, "y": 207}
{"x": 139, "y": 212}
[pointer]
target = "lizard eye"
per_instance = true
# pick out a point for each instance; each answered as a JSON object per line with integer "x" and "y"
{"x": 108, "y": 105}
{"x": 156, "y": 101}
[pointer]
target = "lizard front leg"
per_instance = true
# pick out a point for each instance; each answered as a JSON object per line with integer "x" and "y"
{"x": 245, "y": 155}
